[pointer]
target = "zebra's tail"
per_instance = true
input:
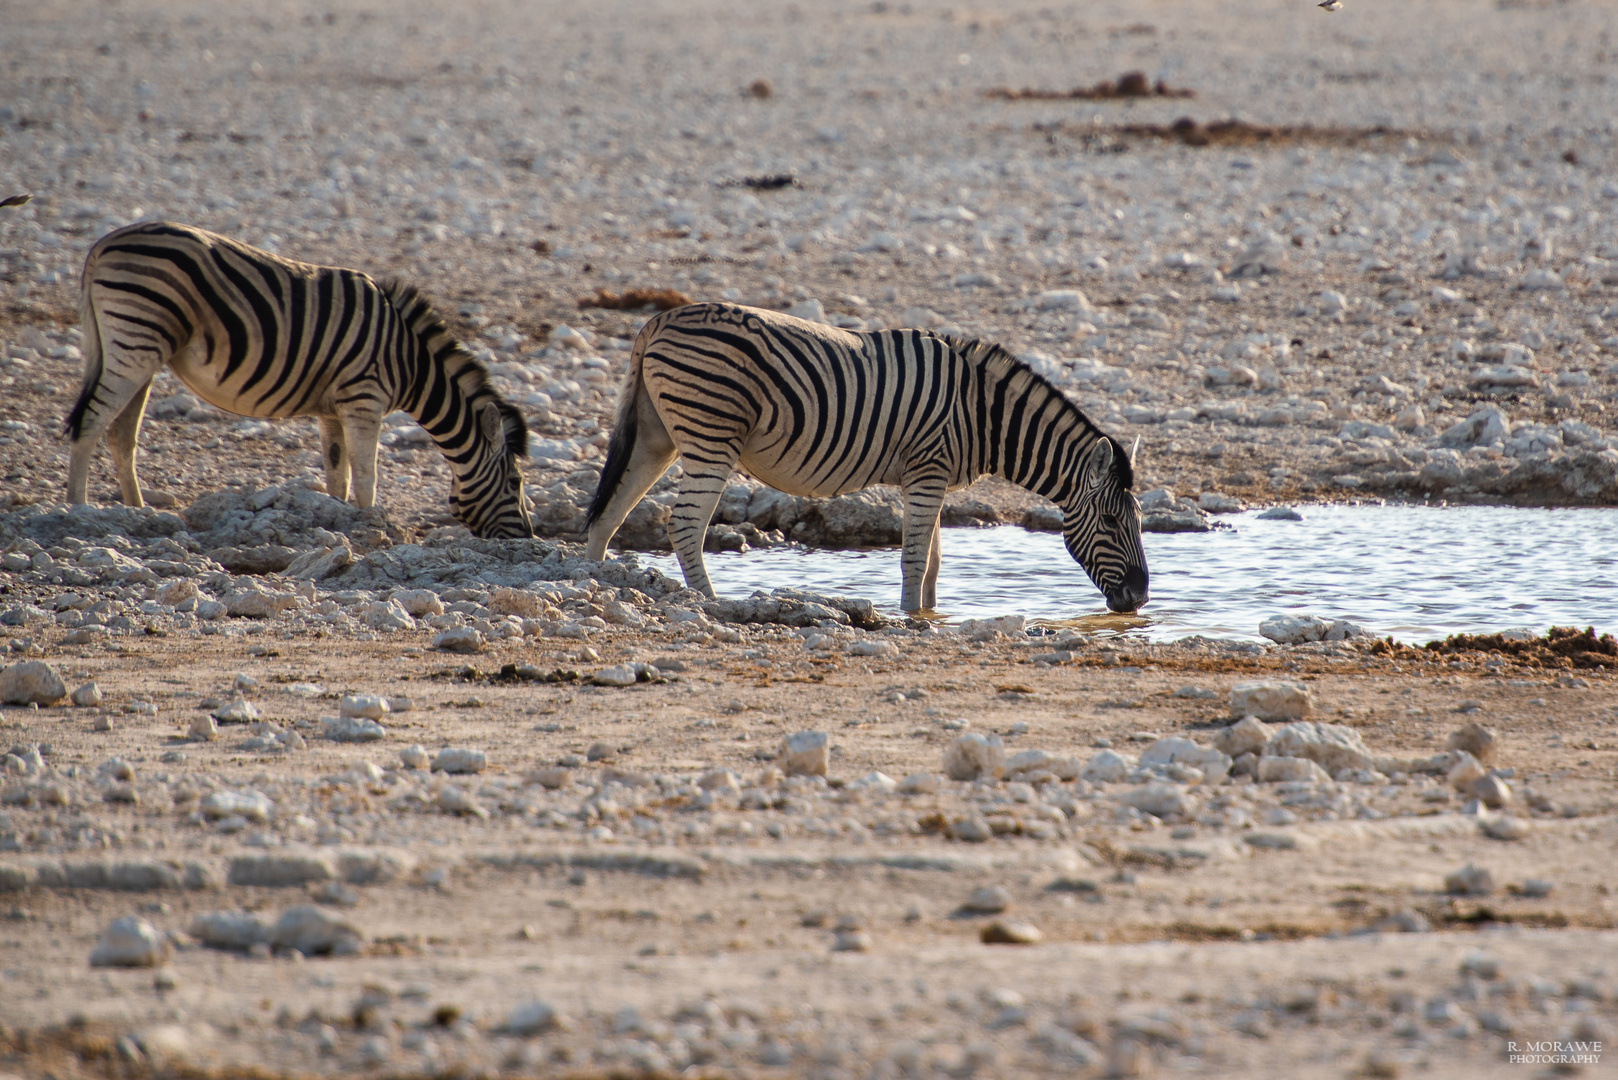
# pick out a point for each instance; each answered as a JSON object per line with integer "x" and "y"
{"x": 91, "y": 346}
{"x": 622, "y": 444}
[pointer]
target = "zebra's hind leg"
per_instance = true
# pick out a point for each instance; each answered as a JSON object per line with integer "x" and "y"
{"x": 699, "y": 494}
{"x": 334, "y": 456}
{"x": 117, "y": 396}
{"x": 121, "y": 436}
{"x": 651, "y": 457}
{"x": 918, "y": 561}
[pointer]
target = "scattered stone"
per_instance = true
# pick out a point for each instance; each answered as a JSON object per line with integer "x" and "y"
{"x": 414, "y": 757}
{"x": 1107, "y": 767}
{"x": 804, "y": 753}
{"x": 973, "y": 829}
{"x": 314, "y": 931}
{"x": 1296, "y": 629}
{"x": 1249, "y": 735}
{"x": 460, "y": 639}
{"x": 530, "y": 1018}
{"x": 453, "y": 799}
{"x": 418, "y": 602}
{"x": 1005, "y": 932}
{"x": 1491, "y": 791}
{"x": 364, "y": 706}
{"x": 250, "y": 805}
{"x": 351, "y": 729}
{"x": 1331, "y": 746}
{"x": 1504, "y": 827}
{"x": 920, "y": 784}
{"x": 260, "y": 603}
{"x": 1034, "y": 762}
{"x": 1279, "y": 513}
{"x": 238, "y": 931}
{"x": 460, "y": 760}
{"x": 989, "y": 900}
{"x": 236, "y": 711}
{"x": 1537, "y": 888}
{"x": 1464, "y": 772}
{"x": 851, "y": 941}
{"x": 203, "y": 729}
{"x": 974, "y": 756}
{"x": 1159, "y": 800}
{"x": 31, "y": 682}
{"x": 280, "y": 870}
{"x": 1270, "y": 700}
{"x": 130, "y": 942}
{"x": 87, "y": 696}
{"x": 617, "y": 675}
{"x": 102, "y": 723}
{"x": 1475, "y": 739}
{"x": 1213, "y": 764}
{"x": 1276, "y": 770}
{"x": 556, "y": 777}
{"x": 1470, "y": 880}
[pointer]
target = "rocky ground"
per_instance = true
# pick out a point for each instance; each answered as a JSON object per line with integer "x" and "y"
{"x": 298, "y": 789}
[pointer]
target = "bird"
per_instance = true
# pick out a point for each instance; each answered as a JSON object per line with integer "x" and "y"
{"x": 1330, "y": 5}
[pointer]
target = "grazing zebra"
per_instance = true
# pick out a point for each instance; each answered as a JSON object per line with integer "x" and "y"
{"x": 812, "y": 410}
{"x": 263, "y": 336}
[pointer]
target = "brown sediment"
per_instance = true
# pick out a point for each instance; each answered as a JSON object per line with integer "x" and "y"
{"x": 1131, "y": 84}
{"x": 1562, "y": 646}
{"x": 635, "y": 299}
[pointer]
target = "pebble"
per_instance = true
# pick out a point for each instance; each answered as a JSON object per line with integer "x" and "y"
{"x": 363, "y": 706}
{"x": 975, "y": 756}
{"x": 1470, "y": 880}
{"x": 1006, "y": 932}
{"x": 236, "y": 711}
{"x": 920, "y": 784}
{"x": 458, "y": 760}
{"x": 1537, "y": 888}
{"x": 617, "y": 675}
{"x": 31, "y": 682}
{"x": 414, "y": 757}
{"x": 1280, "y": 770}
{"x": 454, "y": 799}
{"x": 1475, "y": 739}
{"x": 1279, "y": 513}
{"x": 989, "y": 900}
{"x": 1296, "y": 629}
{"x": 250, "y": 805}
{"x": 851, "y": 941}
{"x": 102, "y": 723}
{"x": 555, "y": 777}
{"x": 1331, "y": 746}
{"x": 1491, "y": 791}
{"x": 1160, "y": 800}
{"x": 204, "y": 729}
{"x": 130, "y": 942}
{"x": 533, "y": 1017}
{"x": 461, "y": 639}
{"x": 87, "y": 696}
{"x": 973, "y": 829}
{"x": 804, "y": 753}
{"x": 234, "y": 930}
{"x": 351, "y": 729}
{"x": 1270, "y": 700}
{"x": 1249, "y": 735}
{"x": 1175, "y": 750}
{"x": 314, "y": 931}
{"x": 1464, "y": 772}
{"x": 1504, "y": 827}
{"x": 1107, "y": 767}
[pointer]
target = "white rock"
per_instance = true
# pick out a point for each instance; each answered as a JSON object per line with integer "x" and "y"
{"x": 454, "y": 799}
{"x": 617, "y": 675}
{"x": 260, "y": 603}
{"x": 873, "y": 648}
{"x": 88, "y": 696}
{"x": 813, "y": 310}
{"x": 460, "y": 639}
{"x": 351, "y": 729}
{"x": 1159, "y": 800}
{"x": 1033, "y": 761}
{"x": 250, "y": 805}
{"x": 238, "y": 710}
{"x": 414, "y": 757}
{"x": 1274, "y": 770}
{"x": 387, "y": 616}
{"x": 31, "y": 682}
{"x": 1485, "y": 427}
{"x": 130, "y": 942}
{"x": 236, "y": 930}
{"x": 366, "y": 706}
{"x": 1213, "y": 764}
{"x": 876, "y": 781}
{"x": 1464, "y": 771}
{"x": 204, "y": 728}
{"x": 988, "y": 629}
{"x": 1332, "y": 746}
{"x": 1506, "y": 827}
{"x": 1107, "y": 767}
{"x": 974, "y": 756}
{"x": 989, "y": 900}
{"x": 459, "y": 759}
{"x": 1470, "y": 880}
{"x": 920, "y": 784}
{"x": 530, "y": 1018}
{"x": 315, "y": 931}
{"x": 1064, "y": 300}
{"x": 804, "y": 753}
{"x": 1270, "y": 700}
{"x": 419, "y": 602}
{"x": 1246, "y": 736}
{"x": 973, "y": 829}
{"x": 1475, "y": 739}
{"x": 713, "y": 780}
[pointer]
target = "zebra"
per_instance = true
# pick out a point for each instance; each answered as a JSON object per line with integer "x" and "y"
{"x": 813, "y": 410}
{"x": 263, "y": 336}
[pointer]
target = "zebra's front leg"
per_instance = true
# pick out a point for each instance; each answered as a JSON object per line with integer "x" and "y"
{"x": 924, "y": 501}
{"x": 334, "y": 457}
{"x": 361, "y": 432}
{"x": 699, "y": 494}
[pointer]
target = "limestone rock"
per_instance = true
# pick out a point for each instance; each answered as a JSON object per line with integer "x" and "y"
{"x": 235, "y": 930}
{"x": 32, "y": 682}
{"x": 260, "y": 603}
{"x": 130, "y": 942}
{"x": 315, "y": 931}
{"x": 88, "y": 696}
{"x": 1006, "y": 932}
{"x": 975, "y": 757}
{"x": 530, "y": 1018}
{"x": 418, "y": 602}
{"x": 1249, "y": 735}
{"x": 460, "y": 639}
{"x": 387, "y": 616}
{"x": 250, "y": 805}
{"x": 1470, "y": 880}
{"x": 1107, "y": 767}
{"x": 1214, "y": 764}
{"x": 804, "y": 753}
{"x": 1331, "y": 746}
{"x": 1296, "y": 629}
{"x": 351, "y": 729}
{"x": 1481, "y": 742}
{"x": 617, "y": 675}
{"x": 1159, "y": 800}
{"x": 989, "y": 900}
{"x": 1030, "y": 762}
{"x": 364, "y": 706}
{"x": 280, "y": 870}
{"x": 238, "y": 710}
{"x": 1270, "y": 700}
{"x": 414, "y": 757}
{"x": 460, "y": 760}
{"x": 1273, "y": 770}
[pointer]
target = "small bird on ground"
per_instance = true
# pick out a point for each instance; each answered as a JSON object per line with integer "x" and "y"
{"x": 1330, "y": 5}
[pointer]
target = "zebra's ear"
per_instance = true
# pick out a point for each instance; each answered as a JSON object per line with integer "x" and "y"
{"x": 1097, "y": 463}
{"x": 489, "y": 420}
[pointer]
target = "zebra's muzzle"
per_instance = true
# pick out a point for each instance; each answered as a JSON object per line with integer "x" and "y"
{"x": 1132, "y": 594}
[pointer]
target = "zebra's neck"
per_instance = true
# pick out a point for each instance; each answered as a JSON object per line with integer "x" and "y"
{"x": 442, "y": 384}
{"x": 1026, "y": 430}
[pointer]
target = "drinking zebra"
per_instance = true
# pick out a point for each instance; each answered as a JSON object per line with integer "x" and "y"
{"x": 264, "y": 336}
{"x": 813, "y": 410}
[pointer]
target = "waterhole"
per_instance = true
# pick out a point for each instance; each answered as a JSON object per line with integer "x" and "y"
{"x": 1410, "y": 572}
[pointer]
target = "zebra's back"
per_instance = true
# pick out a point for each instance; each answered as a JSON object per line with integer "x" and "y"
{"x": 813, "y": 410}
{"x": 245, "y": 329}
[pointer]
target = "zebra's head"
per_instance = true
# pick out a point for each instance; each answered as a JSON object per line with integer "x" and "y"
{"x": 1101, "y": 525}
{"x": 489, "y": 498}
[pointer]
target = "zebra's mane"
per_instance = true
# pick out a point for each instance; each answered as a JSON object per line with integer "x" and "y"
{"x": 992, "y": 354}
{"x": 445, "y": 348}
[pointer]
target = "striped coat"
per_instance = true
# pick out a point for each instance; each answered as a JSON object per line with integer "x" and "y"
{"x": 263, "y": 336}
{"x": 813, "y": 410}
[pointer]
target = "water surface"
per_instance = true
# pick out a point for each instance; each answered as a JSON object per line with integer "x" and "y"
{"x": 1412, "y": 572}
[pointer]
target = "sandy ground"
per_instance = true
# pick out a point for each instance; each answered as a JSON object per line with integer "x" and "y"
{"x": 513, "y": 159}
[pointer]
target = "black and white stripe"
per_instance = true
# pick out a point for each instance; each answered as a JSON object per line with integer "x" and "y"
{"x": 263, "y": 336}
{"x": 813, "y": 410}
